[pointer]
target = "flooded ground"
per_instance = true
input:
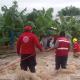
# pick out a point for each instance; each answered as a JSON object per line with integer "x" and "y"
{"x": 9, "y": 66}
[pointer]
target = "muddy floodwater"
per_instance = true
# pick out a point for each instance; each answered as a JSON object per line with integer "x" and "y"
{"x": 10, "y": 69}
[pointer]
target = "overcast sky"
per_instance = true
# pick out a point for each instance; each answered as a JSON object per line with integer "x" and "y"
{"x": 39, "y": 4}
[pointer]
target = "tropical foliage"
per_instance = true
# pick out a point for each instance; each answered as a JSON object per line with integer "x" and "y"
{"x": 12, "y": 22}
{"x": 69, "y": 11}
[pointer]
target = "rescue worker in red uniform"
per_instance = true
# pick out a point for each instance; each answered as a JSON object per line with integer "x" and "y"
{"x": 76, "y": 48}
{"x": 62, "y": 46}
{"x": 26, "y": 48}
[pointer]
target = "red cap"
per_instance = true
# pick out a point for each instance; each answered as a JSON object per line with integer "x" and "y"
{"x": 28, "y": 28}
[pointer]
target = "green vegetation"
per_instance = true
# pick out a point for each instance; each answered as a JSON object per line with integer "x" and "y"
{"x": 12, "y": 22}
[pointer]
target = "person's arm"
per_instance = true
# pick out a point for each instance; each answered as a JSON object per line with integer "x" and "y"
{"x": 55, "y": 46}
{"x": 70, "y": 48}
{"x": 37, "y": 43}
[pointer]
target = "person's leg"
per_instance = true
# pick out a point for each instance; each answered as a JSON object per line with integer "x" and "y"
{"x": 23, "y": 67}
{"x": 32, "y": 69}
{"x": 23, "y": 63}
{"x": 57, "y": 62}
{"x": 64, "y": 62}
{"x": 32, "y": 64}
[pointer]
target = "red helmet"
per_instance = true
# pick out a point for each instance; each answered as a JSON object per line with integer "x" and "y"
{"x": 28, "y": 28}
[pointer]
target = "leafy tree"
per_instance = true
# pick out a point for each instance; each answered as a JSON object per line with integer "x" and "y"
{"x": 70, "y": 25}
{"x": 68, "y": 20}
{"x": 69, "y": 11}
{"x": 12, "y": 21}
{"x": 43, "y": 21}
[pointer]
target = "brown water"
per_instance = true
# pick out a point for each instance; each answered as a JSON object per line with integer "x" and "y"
{"x": 45, "y": 67}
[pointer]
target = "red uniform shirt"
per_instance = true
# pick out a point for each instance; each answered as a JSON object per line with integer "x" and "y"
{"x": 27, "y": 42}
{"x": 76, "y": 47}
{"x": 62, "y": 46}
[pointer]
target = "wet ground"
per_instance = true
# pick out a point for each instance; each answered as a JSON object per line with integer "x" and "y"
{"x": 9, "y": 65}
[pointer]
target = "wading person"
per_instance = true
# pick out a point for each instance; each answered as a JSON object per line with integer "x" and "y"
{"x": 26, "y": 49}
{"x": 76, "y": 48}
{"x": 62, "y": 46}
